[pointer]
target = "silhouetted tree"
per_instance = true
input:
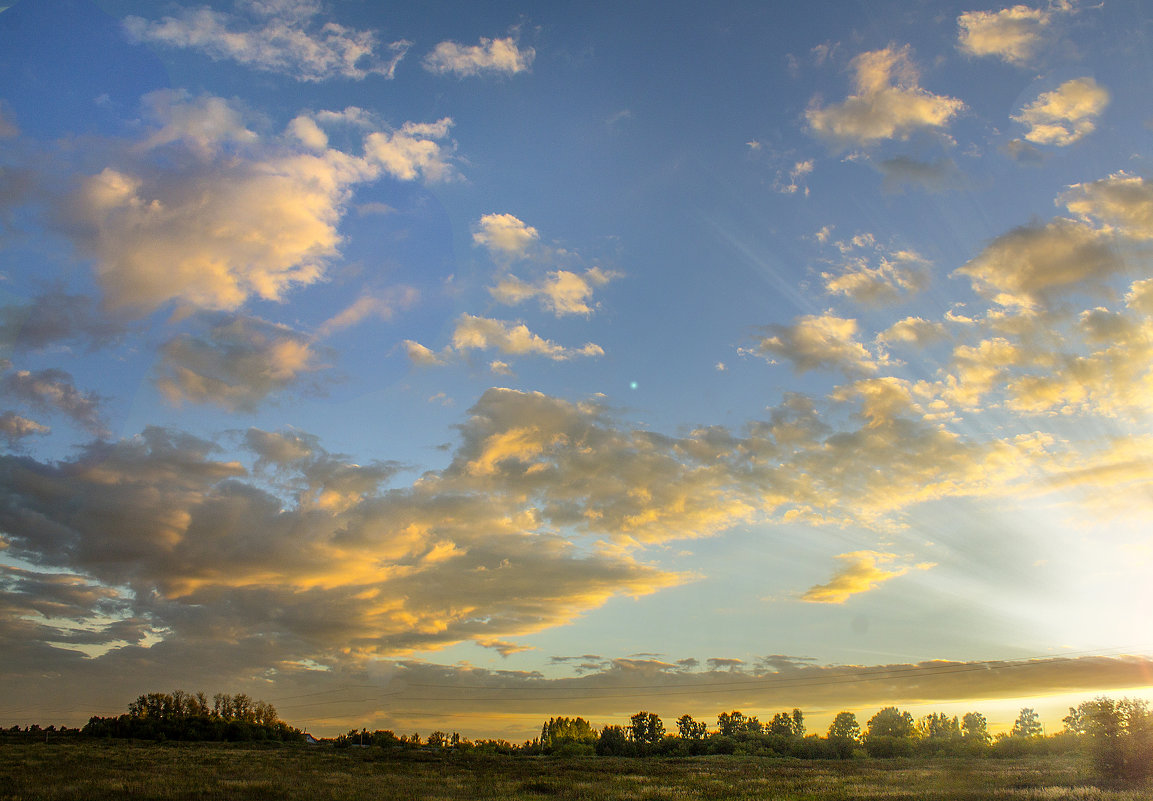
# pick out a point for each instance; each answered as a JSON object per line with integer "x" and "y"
{"x": 890, "y": 733}
{"x": 647, "y": 730}
{"x": 690, "y": 729}
{"x": 1028, "y": 724}
{"x": 844, "y": 734}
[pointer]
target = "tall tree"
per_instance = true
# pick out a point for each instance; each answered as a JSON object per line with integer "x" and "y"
{"x": 974, "y": 728}
{"x": 890, "y": 722}
{"x": 690, "y": 729}
{"x": 1028, "y": 724}
{"x": 845, "y": 727}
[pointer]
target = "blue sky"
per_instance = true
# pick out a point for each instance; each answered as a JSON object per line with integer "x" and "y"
{"x": 655, "y": 356}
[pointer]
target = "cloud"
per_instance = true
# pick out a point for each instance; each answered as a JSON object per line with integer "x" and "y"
{"x": 14, "y": 428}
{"x": 561, "y": 292}
{"x": 796, "y": 176}
{"x": 203, "y": 217}
{"x": 1014, "y": 35}
{"x": 341, "y": 571}
{"x": 888, "y": 103}
{"x": 420, "y": 355}
{"x": 1023, "y": 152}
{"x": 483, "y": 333}
{"x": 912, "y": 331}
{"x": 935, "y": 176}
{"x": 896, "y": 276}
{"x": 280, "y": 37}
{"x": 237, "y": 364}
{"x": 1026, "y": 266}
{"x": 8, "y": 129}
{"x": 52, "y": 390}
{"x": 412, "y": 152}
{"x": 1103, "y": 370}
{"x": 499, "y": 56}
{"x": 818, "y": 341}
{"x": 505, "y": 648}
{"x": 861, "y": 571}
{"x": 57, "y": 317}
{"x": 382, "y": 306}
{"x": 1065, "y": 115}
{"x": 1122, "y": 201}
{"x": 504, "y": 235}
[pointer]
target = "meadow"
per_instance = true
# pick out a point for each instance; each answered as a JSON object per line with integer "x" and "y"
{"x": 117, "y": 769}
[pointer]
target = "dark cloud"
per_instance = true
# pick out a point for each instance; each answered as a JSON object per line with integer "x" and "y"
{"x": 52, "y": 390}
{"x": 934, "y": 176}
{"x": 237, "y": 363}
{"x": 57, "y": 317}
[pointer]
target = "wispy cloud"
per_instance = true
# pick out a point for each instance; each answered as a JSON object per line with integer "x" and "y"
{"x": 861, "y": 572}
{"x": 278, "y": 36}
{"x": 490, "y": 56}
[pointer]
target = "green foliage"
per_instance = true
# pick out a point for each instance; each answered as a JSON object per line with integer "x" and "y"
{"x": 647, "y": 731}
{"x": 734, "y": 724}
{"x": 1119, "y": 735}
{"x": 573, "y": 734}
{"x": 615, "y": 741}
{"x": 690, "y": 729}
{"x": 784, "y": 724}
{"x": 890, "y": 722}
{"x": 182, "y": 716}
{"x": 975, "y": 728}
{"x": 1028, "y": 724}
{"x": 844, "y": 735}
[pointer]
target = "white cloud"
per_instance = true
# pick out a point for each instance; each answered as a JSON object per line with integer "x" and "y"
{"x": 420, "y": 355}
{"x": 1065, "y": 115}
{"x": 504, "y": 235}
{"x": 888, "y": 103}
{"x": 283, "y": 38}
{"x": 413, "y": 151}
{"x": 255, "y": 218}
{"x": 913, "y": 331}
{"x": 1122, "y": 201}
{"x": 483, "y": 333}
{"x": 1013, "y": 34}
{"x": 501, "y": 56}
{"x": 561, "y": 292}
{"x": 896, "y": 276}
{"x": 239, "y": 363}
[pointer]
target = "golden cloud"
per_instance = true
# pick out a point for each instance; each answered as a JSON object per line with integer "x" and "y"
{"x": 861, "y": 571}
{"x": 888, "y": 103}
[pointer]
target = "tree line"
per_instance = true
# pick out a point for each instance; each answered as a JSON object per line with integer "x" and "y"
{"x": 188, "y": 716}
{"x": 1117, "y": 735}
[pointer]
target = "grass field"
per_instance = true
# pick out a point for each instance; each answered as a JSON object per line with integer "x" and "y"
{"x": 134, "y": 770}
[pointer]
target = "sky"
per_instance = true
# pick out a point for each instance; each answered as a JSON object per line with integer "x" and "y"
{"x": 454, "y": 365}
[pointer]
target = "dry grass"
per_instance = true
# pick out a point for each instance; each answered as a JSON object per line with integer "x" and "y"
{"x": 117, "y": 769}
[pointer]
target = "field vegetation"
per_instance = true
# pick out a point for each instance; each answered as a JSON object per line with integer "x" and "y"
{"x": 84, "y": 768}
